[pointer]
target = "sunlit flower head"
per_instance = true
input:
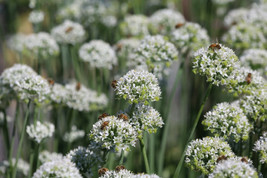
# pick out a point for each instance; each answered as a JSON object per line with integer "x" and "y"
{"x": 39, "y": 131}
{"x": 261, "y": 147}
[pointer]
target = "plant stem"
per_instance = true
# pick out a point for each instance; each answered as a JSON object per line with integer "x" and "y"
{"x": 143, "y": 149}
{"x": 121, "y": 158}
{"x": 179, "y": 166}
{"x": 5, "y": 133}
{"x": 152, "y": 151}
{"x": 14, "y": 171}
{"x": 35, "y": 158}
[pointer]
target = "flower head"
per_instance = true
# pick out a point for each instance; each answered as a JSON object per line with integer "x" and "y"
{"x": 163, "y": 21}
{"x": 69, "y": 33}
{"x": 15, "y": 42}
{"x": 114, "y": 133}
{"x": 73, "y": 135}
{"x": 46, "y": 156}
{"x": 114, "y": 174}
{"x": 261, "y": 147}
{"x": 125, "y": 48}
{"x": 36, "y": 16}
{"x": 40, "y": 131}
{"x": 202, "y": 154}
{"x": 99, "y": 54}
{"x": 227, "y": 121}
{"x": 138, "y": 86}
{"x": 22, "y": 166}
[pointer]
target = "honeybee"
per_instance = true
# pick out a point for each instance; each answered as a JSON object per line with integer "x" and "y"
{"x": 104, "y": 125}
{"x": 215, "y": 45}
{"x": 103, "y": 116}
{"x": 119, "y": 46}
{"x": 78, "y": 86}
{"x": 123, "y": 116}
{"x": 244, "y": 160}
{"x": 119, "y": 168}
{"x": 51, "y": 82}
{"x": 249, "y": 78}
{"x": 102, "y": 171}
{"x": 220, "y": 158}
{"x": 179, "y": 25}
{"x": 114, "y": 84}
{"x": 69, "y": 29}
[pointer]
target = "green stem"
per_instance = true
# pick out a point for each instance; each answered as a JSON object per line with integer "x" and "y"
{"x": 167, "y": 121}
{"x": 179, "y": 166}
{"x": 34, "y": 164}
{"x": 152, "y": 152}
{"x": 5, "y": 132}
{"x": 121, "y": 158}
{"x": 14, "y": 171}
{"x": 143, "y": 149}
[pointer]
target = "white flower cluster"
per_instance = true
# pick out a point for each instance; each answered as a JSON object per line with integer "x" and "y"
{"x": 216, "y": 63}
{"x": 233, "y": 167}
{"x": 202, "y": 154}
{"x": 125, "y": 48}
{"x": 134, "y": 26}
{"x": 256, "y": 59}
{"x": 41, "y": 45}
{"x": 163, "y": 21}
{"x": 235, "y": 16}
{"x": 109, "y": 21}
{"x": 146, "y": 118}
{"x": 145, "y": 176}
{"x": 22, "y": 166}
{"x": 155, "y": 53}
{"x": 243, "y": 36}
{"x": 39, "y": 131}
{"x": 36, "y": 16}
{"x": 58, "y": 168}
{"x": 25, "y": 83}
{"x": 138, "y": 87}
{"x": 189, "y": 37}
{"x": 118, "y": 174}
{"x": 227, "y": 121}
{"x": 245, "y": 80}
{"x": 222, "y": 2}
{"x": 99, "y": 54}
{"x": 114, "y": 133}
{"x": 77, "y": 96}
{"x": 85, "y": 159}
{"x": 261, "y": 147}
{"x": 73, "y": 135}
{"x": 69, "y": 33}
{"x": 15, "y": 42}
{"x": 254, "y": 105}
{"x": 70, "y": 11}
{"x": 46, "y": 156}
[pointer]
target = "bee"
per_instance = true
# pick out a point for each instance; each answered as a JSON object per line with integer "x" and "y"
{"x": 69, "y": 29}
{"x": 103, "y": 116}
{"x": 104, "y": 125}
{"x": 102, "y": 171}
{"x": 220, "y": 158}
{"x": 119, "y": 168}
{"x": 51, "y": 82}
{"x": 214, "y": 45}
{"x": 249, "y": 78}
{"x": 78, "y": 86}
{"x": 114, "y": 84}
{"x": 119, "y": 46}
{"x": 244, "y": 160}
{"x": 179, "y": 25}
{"x": 123, "y": 116}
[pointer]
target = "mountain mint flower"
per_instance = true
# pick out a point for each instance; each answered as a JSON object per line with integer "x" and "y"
{"x": 189, "y": 37}
{"x": 58, "y": 168}
{"x": 114, "y": 133}
{"x": 138, "y": 86}
{"x": 46, "y": 156}
{"x": 233, "y": 167}
{"x": 227, "y": 121}
{"x": 39, "y": 131}
{"x": 69, "y": 33}
{"x": 146, "y": 118}
{"x": 261, "y": 147}
{"x": 202, "y": 154}
{"x": 134, "y": 26}
{"x": 163, "y": 21}
{"x": 99, "y": 54}
{"x": 36, "y": 16}
{"x": 73, "y": 135}
{"x": 216, "y": 62}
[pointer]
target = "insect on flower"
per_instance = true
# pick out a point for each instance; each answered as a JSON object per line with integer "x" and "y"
{"x": 119, "y": 46}
{"x": 114, "y": 84}
{"x": 103, "y": 116}
{"x": 220, "y": 158}
{"x": 179, "y": 25}
{"x": 119, "y": 168}
{"x": 123, "y": 116}
{"x": 249, "y": 78}
{"x": 78, "y": 86}
{"x": 104, "y": 125}
{"x": 215, "y": 45}
{"x": 244, "y": 160}
{"x": 69, "y": 29}
{"x": 51, "y": 82}
{"x": 102, "y": 171}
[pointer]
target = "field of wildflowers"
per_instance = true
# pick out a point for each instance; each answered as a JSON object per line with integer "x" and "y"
{"x": 133, "y": 88}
